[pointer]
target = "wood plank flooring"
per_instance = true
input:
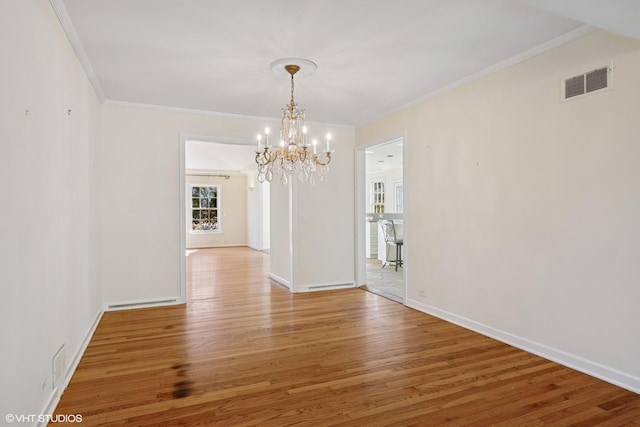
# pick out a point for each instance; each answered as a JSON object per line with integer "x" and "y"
{"x": 246, "y": 352}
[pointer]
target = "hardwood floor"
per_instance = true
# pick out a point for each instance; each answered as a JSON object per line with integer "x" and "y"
{"x": 246, "y": 352}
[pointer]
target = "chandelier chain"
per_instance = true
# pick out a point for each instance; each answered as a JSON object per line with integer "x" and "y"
{"x": 292, "y": 102}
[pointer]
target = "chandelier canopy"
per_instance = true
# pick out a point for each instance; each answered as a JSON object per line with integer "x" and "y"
{"x": 294, "y": 155}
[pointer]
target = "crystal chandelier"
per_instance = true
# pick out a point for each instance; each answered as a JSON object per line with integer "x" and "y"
{"x": 294, "y": 156}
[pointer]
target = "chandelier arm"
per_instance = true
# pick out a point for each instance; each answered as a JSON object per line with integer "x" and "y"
{"x": 323, "y": 163}
{"x": 263, "y": 158}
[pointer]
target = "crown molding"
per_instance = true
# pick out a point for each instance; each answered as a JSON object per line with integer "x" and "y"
{"x": 74, "y": 39}
{"x": 212, "y": 113}
{"x": 522, "y": 56}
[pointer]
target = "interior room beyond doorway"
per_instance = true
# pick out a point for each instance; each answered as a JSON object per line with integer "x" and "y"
{"x": 222, "y": 204}
{"x": 384, "y": 203}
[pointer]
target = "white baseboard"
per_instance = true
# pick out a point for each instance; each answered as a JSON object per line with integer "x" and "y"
{"x": 312, "y": 287}
{"x": 56, "y": 394}
{"x": 256, "y": 248}
{"x": 222, "y": 245}
{"x": 588, "y": 367}
{"x": 129, "y": 305}
{"x": 280, "y": 280}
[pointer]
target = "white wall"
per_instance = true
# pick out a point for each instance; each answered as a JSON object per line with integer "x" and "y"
{"x": 312, "y": 226}
{"x": 232, "y": 214}
{"x": 50, "y": 211}
{"x": 523, "y": 210}
{"x": 141, "y": 156}
{"x": 323, "y": 222}
{"x": 264, "y": 227}
{"x": 281, "y": 261}
{"x": 258, "y": 212}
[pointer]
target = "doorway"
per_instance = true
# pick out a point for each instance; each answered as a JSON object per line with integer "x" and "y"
{"x": 221, "y": 203}
{"x": 381, "y": 196}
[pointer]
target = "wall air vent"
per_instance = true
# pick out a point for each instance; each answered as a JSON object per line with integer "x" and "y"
{"x": 586, "y": 83}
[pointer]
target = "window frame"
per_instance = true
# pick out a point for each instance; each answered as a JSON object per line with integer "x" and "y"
{"x": 218, "y": 209}
{"x": 378, "y": 195}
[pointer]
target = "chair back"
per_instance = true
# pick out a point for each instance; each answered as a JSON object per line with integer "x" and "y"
{"x": 388, "y": 230}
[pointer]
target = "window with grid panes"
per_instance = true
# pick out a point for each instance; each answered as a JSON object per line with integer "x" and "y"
{"x": 377, "y": 196}
{"x": 205, "y": 205}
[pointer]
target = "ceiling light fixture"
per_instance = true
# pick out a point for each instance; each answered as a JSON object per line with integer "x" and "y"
{"x": 294, "y": 156}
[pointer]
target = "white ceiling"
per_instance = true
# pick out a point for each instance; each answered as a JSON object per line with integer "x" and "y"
{"x": 373, "y": 56}
{"x": 387, "y": 156}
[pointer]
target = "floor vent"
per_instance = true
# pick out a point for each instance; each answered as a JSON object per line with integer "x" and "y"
{"x": 140, "y": 304}
{"x": 58, "y": 367}
{"x": 583, "y": 84}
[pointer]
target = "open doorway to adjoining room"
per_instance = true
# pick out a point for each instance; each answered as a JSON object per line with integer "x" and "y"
{"x": 222, "y": 206}
{"x": 383, "y": 200}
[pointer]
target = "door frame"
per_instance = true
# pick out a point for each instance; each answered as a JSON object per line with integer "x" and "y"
{"x": 360, "y": 210}
{"x": 182, "y": 205}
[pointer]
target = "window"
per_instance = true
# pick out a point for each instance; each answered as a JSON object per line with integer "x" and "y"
{"x": 377, "y": 196}
{"x": 205, "y": 202}
{"x": 399, "y": 187}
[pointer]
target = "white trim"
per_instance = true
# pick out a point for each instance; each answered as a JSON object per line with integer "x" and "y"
{"x": 293, "y": 227}
{"x": 132, "y": 305}
{"x": 83, "y": 347}
{"x": 76, "y": 44}
{"x": 406, "y": 219}
{"x": 360, "y": 202}
{"x": 361, "y": 183}
{"x": 215, "y": 173}
{"x": 184, "y": 110}
{"x": 216, "y": 114}
{"x": 516, "y": 59}
{"x": 223, "y": 245}
{"x": 220, "y": 139}
{"x": 588, "y": 367}
{"x": 280, "y": 280}
{"x": 182, "y": 217}
{"x": 56, "y": 394}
